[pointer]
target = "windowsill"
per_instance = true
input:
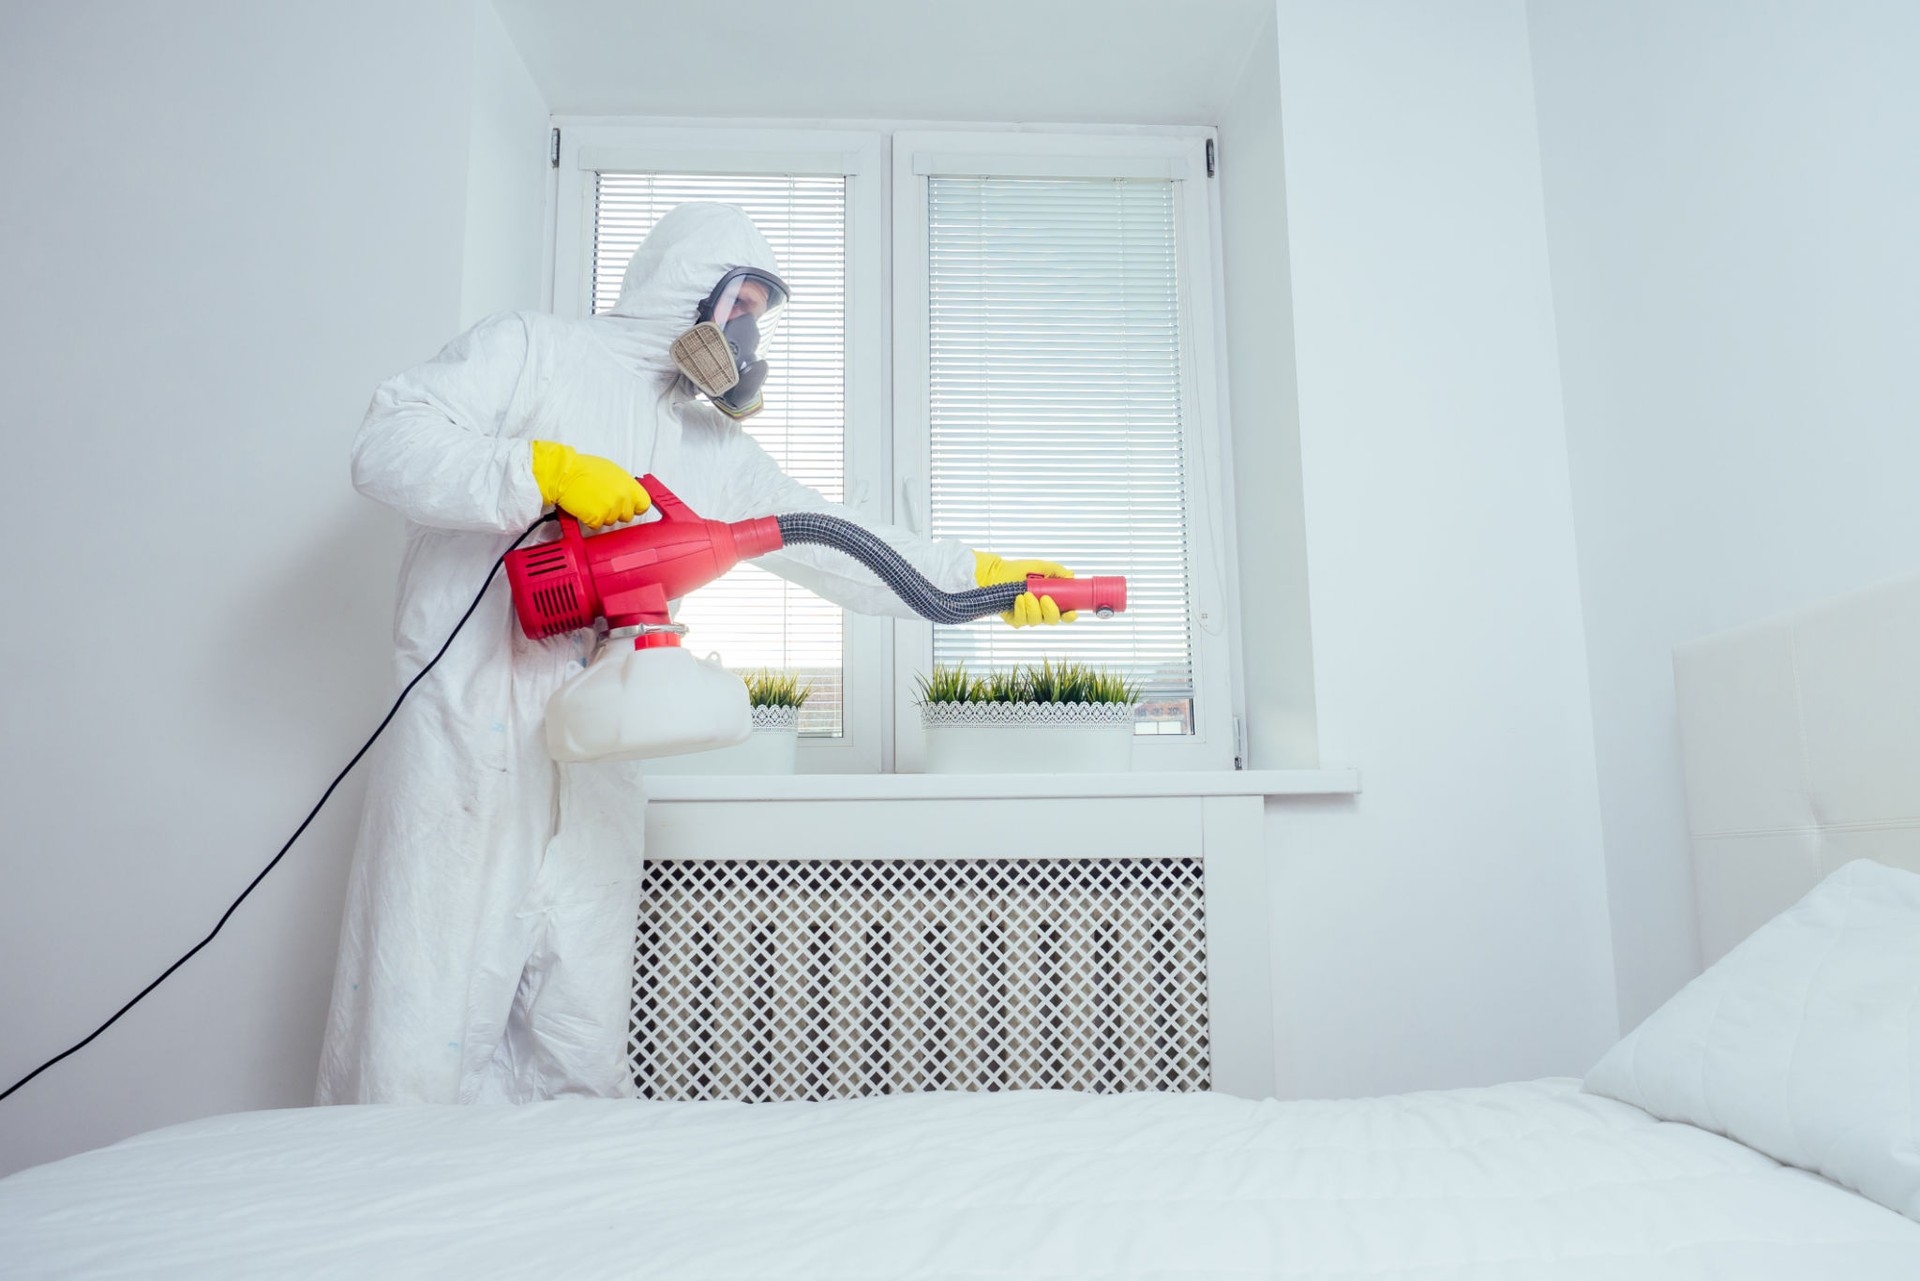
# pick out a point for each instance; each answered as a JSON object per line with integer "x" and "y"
{"x": 909, "y": 787}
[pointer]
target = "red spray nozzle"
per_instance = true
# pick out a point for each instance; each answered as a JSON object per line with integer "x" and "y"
{"x": 1104, "y": 596}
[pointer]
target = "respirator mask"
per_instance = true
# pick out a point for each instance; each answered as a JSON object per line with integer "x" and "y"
{"x": 724, "y": 354}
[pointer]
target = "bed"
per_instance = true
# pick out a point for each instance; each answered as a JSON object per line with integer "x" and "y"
{"x": 1761, "y": 1125}
{"x": 1527, "y": 1180}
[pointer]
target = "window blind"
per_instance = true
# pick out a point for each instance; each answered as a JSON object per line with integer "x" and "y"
{"x": 1055, "y": 404}
{"x": 752, "y": 618}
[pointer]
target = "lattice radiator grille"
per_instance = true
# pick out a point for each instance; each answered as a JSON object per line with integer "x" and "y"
{"x": 834, "y": 978}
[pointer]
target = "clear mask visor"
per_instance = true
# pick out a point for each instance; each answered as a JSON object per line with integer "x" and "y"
{"x": 747, "y": 305}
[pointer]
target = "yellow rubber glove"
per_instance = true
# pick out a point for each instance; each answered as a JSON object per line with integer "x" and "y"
{"x": 597, "y": 490}
{"x": 1028, "y": 610}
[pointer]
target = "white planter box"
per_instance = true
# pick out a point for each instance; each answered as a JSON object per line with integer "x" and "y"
{"x": 769, "y": 749}
{"x": 1028, "y": 738}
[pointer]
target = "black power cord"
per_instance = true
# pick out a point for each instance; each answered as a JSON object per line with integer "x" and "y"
{"x": 82, "y": 1044}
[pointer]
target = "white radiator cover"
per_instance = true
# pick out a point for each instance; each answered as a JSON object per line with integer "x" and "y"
{"x": 771, "y": 979}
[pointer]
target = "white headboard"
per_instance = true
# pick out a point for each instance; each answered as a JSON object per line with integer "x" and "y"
{"x": 1800, "y": 738}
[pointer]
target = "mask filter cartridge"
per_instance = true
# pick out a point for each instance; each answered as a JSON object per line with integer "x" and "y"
{"x": 704, "y": 356}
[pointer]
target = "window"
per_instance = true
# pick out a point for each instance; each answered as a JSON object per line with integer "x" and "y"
{"x": 1057, "y": 394}
{"x": 1052, "y": 391}
{"x": 1054, "y": 411}
{"x": 753, "y": 618}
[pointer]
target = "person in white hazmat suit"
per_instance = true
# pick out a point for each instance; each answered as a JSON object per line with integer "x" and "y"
{"x": 486, "y": 950}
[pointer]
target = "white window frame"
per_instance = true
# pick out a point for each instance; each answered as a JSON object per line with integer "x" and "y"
{"x": 887, "y": 439}
{"x": 860, "y": 157}
{"x": 1210, "y": 570}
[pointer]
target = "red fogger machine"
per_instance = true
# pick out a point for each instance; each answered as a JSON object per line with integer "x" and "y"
{"x": 628, "y": 575}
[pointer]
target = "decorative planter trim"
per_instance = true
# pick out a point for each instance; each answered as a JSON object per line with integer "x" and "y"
{"x": 776, "y": 718}
{"x": 945, "y": 715}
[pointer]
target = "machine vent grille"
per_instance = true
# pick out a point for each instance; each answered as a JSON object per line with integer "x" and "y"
{"x": 557, "y": 603}
{"x": 774, "y": 979}
{"x": 551, "y": 559}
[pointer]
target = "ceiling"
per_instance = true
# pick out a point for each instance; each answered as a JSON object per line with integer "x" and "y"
{"x": 1053, "y": 61}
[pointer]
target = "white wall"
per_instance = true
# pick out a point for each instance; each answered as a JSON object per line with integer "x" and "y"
{"x": 1270, "y": 527}
{"x": 1450, "y": 925}
{"x": 507, "y": 178}
{"x": 1152, "y": 62}
{"x": 225, "y": 222}
{"x": 1732, "y": 199}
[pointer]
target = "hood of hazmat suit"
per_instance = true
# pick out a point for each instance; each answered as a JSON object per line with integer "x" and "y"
{"x": 487, "y": 945}
{"x": 671, "y": 274}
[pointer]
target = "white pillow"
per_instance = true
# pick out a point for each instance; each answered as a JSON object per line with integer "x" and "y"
{"x": 1803, "y": 1042}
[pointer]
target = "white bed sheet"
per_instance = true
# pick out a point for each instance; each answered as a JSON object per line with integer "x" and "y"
{"x": 1528, "y": 1180}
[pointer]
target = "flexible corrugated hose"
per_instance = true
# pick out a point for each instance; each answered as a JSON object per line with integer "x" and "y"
{"x": 906, "y": 582}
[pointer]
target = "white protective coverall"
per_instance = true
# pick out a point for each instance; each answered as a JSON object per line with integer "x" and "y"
{"x": 486, "y": 952}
